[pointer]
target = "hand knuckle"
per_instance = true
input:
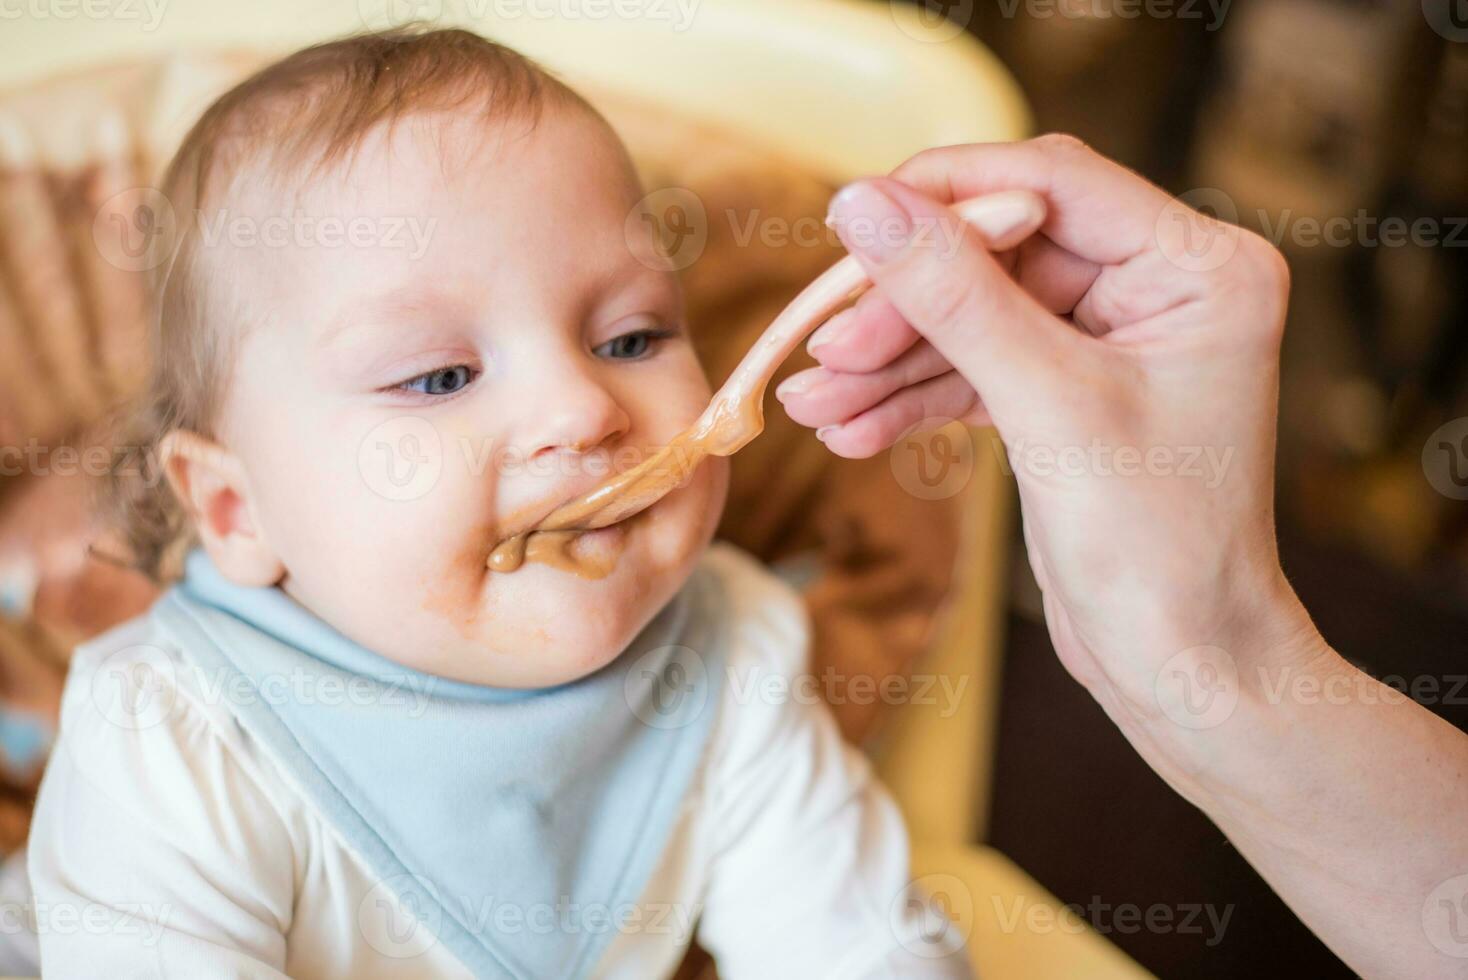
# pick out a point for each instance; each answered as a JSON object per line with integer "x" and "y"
{"x": 1256, "y": 264}
{"x": 1062, "y": 143}
{"x": 924, "y": 159}
{"x": 1269, "y": 263}
{"x": 1260, "y": 274}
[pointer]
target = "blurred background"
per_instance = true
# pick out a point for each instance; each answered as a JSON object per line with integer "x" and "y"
{"x": 1336, "y": 128}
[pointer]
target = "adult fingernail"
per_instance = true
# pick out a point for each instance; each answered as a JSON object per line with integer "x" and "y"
{"x": 1004, "y": 216}
{"x": 869, "y": 222}
{"x": 801, "y": 384}
{"x": 829, "y": 331}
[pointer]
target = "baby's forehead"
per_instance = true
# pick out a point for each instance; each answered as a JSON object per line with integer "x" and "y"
{"x": 426, "y": 199}
{"x": 402, "y": 155}
{"x": 425, "y": 163}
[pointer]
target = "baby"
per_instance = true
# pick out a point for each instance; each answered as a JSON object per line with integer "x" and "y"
{"x": 342, "y": 745}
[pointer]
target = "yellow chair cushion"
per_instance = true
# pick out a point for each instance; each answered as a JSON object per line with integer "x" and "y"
{"x": 1016, "y": 929}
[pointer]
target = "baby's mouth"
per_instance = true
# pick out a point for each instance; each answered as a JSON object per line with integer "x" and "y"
{"x": 584, "y": 552}
{"x": 555, "y": 535}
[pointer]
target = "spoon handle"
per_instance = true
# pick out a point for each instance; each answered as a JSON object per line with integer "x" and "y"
{"x": 737, "y": 410}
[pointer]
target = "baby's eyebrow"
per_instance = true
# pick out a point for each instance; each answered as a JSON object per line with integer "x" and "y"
{"x": 377, "y": 311}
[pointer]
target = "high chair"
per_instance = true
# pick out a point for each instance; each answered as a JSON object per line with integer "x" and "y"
{"x": 844, "y": 88}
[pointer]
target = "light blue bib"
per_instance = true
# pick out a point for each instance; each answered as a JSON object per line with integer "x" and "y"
{"x": 466, "y": 797}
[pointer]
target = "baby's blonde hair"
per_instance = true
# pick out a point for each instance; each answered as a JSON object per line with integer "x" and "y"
{"x": 306, "y": 112}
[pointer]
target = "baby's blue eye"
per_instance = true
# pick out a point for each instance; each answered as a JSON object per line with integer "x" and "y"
{"x": 444, "y": 381}
{"x": 627, "y": 346}
{"x": 631, "y": 345}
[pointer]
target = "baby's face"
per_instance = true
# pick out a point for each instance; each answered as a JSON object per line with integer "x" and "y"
{"x": 398, "y": 414}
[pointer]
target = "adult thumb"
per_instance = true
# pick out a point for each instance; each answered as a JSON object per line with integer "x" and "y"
{"x": 938, "y": 271}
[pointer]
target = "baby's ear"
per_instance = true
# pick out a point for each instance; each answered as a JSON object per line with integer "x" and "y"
{"x": 211, "y": 484}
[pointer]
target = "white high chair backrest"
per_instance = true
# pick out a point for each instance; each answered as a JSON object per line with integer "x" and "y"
{"x": 848, "y": 87}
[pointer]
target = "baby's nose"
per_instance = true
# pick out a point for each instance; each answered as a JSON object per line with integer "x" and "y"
{"x": 573, "y": 413}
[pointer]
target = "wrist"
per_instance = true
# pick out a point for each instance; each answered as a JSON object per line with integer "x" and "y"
{"x": 1221, "y": 712}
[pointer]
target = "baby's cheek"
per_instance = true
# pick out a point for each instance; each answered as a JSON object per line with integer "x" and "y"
{"x": 676, "y": 399}
{"x": 685, "y": 523}
{"x": 453, "y": 581}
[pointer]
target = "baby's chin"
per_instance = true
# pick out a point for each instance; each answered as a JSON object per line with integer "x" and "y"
{"x": 552, "y": 627}
{"x": 542, "y": 625}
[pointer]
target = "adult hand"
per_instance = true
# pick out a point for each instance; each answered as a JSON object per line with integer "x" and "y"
{"x": 1128, "y": 355}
